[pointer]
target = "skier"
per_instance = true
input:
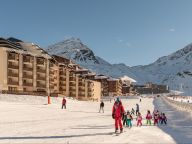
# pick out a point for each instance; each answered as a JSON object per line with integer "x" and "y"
{"x": 137, "y": 109}
{"x": 132, "y": 111}
{"x": 63, "y": 103}
{"x": 129, "y": 119}
{"x": 156, "y": 117}
{"x": 139, "y": 119}
{"x": 163, "y": 119}
{"x": 117, "y": 112}
{"x": 148, "y": 117}
{"x": 101, "y": 106}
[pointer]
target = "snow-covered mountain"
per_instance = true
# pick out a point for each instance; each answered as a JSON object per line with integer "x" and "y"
{"x": 74, "y": 49}
{"x": 174, "y": 70}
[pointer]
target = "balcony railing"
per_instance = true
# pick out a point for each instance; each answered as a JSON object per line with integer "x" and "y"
{"x": 27, "y": 59}
{"x": 72, "y": 79}
{"x": 51, "y": 72}
{"x": 73, "y": 85}
{"x": 72, "y": 89}
{"x": 51, "y": 86}
{"x": 41, "y": 78}
{"x": 10, "y": 65}
{"x": 11, "y": 74}
{"x": 62, "y": 73}
{"x": 27, "y": 76}
{"x": 81, "y": 85}
{"x": 27, "y": 84}
{"x": 62, "y": 79}
{"x": 81, "y": 95}
{"x": 62, "y": 89}
{"x": 51, "y": 79}
{"x": 13, "y": 83}
{"x": 41, "y": 85}
{"x": 81, "y": 89}
{"x": 41, "y": 70}
{"x": 27, "y": 68}
{"x": 13, "y": 57}
{"x": 41, "y": 62}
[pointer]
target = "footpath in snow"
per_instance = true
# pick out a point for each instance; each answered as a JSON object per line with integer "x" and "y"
{"x": 26, "y": 119}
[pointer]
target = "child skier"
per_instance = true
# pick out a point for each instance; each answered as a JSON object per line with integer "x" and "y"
{"x": 156, "y": 117}
{"x": 148, "y": 117}
{"x": 139, "y": 119}
{"x": 129, "y": 119}
{"x": 163, "y": 119}
{"x": 132, "y": 111}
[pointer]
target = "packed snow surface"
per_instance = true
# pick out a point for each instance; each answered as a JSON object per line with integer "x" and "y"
{"x": 28, "y": 119}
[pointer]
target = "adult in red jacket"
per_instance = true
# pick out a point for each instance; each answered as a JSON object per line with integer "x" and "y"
{"x": 117, "y": 112}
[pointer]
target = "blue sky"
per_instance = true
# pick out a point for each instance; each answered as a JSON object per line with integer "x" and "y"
{"x": 134, "y": 32}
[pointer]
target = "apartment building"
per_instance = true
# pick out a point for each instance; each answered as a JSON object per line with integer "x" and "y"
{"x": 115, "y": 87}
{"x": 26, "y": 68}
{"x": 76, "y": 82}
{"x": 104, "y": 84}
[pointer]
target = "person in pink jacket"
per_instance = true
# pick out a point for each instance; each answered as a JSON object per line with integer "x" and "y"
{"x": 117, "y": 113}
{"x": 148, "y": 117}
{"x": 139, "y": 119}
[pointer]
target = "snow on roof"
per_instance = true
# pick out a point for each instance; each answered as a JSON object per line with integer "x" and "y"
{"x": 113, "y": 79}
{"x": 126, "y": 78}
{"x": 101, "y": 77}
{"x": 176, "y": 92}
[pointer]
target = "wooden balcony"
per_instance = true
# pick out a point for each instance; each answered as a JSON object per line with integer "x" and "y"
{"x": 27, "y": 59}
{"x": 41, "y": 78}
{"x": 51, "y": 72}
{"x": 13, "y": 57}
{"x": 13, "y": 82}
{"x": 82, "y": 89}
{"x": 62, "y": 73}
{"x": 51, "y": 86}
{"x": 72, "y": 79}
{"x": 81, "y": 95}
{"x": 12, "y": 74}
{"x": 41, "y": 61}
{"x": 11, "y": 66}
{"x": 27, "y": 76}
{"x": 72, "y": 89}
{"x": 62, "y": 89}
{"x": 62, "y": 79}
{"x": 27, "y": 84}
{"x": 72, "y": 84}
{"x": 41, "y": 85}
{"x": 41, "y": 70}
{"x": 26, "y": 68}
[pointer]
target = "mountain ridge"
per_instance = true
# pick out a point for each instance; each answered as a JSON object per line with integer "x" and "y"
{"x": 173, "y": 70}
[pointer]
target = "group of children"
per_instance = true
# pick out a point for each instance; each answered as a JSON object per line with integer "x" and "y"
{"x": 157, "y": 117}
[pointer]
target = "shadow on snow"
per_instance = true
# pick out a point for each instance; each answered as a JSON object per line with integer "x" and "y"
{"x": 179, "y": 125}
{"x": 54, "y": 137}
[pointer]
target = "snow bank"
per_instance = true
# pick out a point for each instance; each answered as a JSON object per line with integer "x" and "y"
{"x": 179, "y": 105}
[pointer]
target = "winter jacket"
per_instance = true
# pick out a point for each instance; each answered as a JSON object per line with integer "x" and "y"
{"x": 148, "y": 116}
{"x": 139, "y": 118}
{"x": 129, "y": 117}
{"x": 64, "y": 101}
{"x": 117, "y": 110}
